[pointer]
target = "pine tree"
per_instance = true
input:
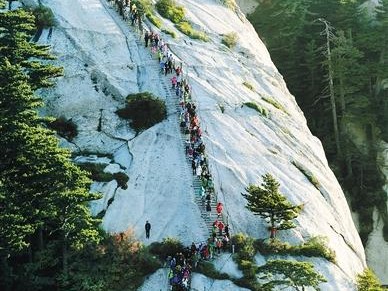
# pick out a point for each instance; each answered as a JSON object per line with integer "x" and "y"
{"x": 267, "y": 202}
{"x": 16, "y": 29}
{"x": 347, "y": 71}
{"x": 44, "y": 195}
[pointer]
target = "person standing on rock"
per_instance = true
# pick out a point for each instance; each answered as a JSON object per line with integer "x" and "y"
{"x": 208, "y": 207}
{"x": 146, "y": 38}
{"x": 147, "y": 229}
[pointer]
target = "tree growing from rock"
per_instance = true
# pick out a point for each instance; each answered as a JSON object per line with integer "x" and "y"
{"x": 267, "y": 202}
{"x": 298, "y": 275}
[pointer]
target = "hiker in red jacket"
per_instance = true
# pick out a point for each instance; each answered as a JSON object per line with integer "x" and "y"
{"x": 220, "y": 227}
{"x": 219, "y": 209}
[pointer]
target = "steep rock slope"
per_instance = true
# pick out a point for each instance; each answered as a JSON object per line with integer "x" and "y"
{"x": 103, "y": 63}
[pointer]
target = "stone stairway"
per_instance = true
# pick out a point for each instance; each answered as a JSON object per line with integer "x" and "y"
{"x": 173, "y": 102}
{"x": 173, "y": 109}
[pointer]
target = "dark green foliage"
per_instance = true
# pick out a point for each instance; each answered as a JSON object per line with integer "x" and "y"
{"x": 244, "y": 257}
{"x": 207, "y": 268}
{"x": 44, "y": 16}
{"x": 267, "y": 202}
{"x": 243, "y": 246}
{"x": 358, "y": 61}
{"x": 122, "y": 179}
{"x": 16, "y": 29}
{"x": 368, "y": 281}
{"x": 170, "y": 10}
{"x": 119, "y": 262}
{"x": 43, "y": 195}
{"x": 230, "y": 40}
{"x": 257, "y": 107}
{"x": 291, "y": 273}
{"x": 144, "y": 110}
{"x": 168, "y": 247}
{"x": 97, "y": 172}
{"x": 65, "y": 128}
{"x": 250, "y": 284}
{"x": 48, "y": 239}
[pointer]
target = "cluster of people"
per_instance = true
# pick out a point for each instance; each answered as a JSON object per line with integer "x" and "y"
{"x": 128, "y": 11}
{"x": 180, "y": 269}
{"x": 182, "y": 263}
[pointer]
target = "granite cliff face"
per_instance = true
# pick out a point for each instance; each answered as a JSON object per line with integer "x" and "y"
{"x": 104, "y": 61}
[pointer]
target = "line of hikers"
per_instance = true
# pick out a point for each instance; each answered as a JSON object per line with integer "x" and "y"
{"x": 182, "y": 264}
{"x": 189, "y": 124}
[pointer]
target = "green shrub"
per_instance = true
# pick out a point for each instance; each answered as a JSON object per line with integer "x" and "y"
{"x": 247, "y": 252}
{"x": 168, "y": 247}
{"x": 368, "y": 281}
{"x": 238, "y": 240}
{"x": 64, "y": 128}
{"x": 44, "y": 16}
{"x": 230, "y": 40}
{"x": 154, "y": 20}
{"x": 258, "y": 108}
{"x": 114, "y": 264}
{"x": 273, "y": 246}
{"x": 144, "y": 110}
{"x": 275, "y": 104}
{"x": 122, "y": 179}
{"x": 143, "y": 6}
{"x": 96, "y": 172}
{"x": 244, "y": 246}
{"x": 186, "y": 28}
{"x": 250, "y": 271}
{"x": 316, "y": 247}
{"x": 249, "y": 283}
{"x": 170, "y": 32}
{"x": 248, "y": 85}
{"x": 170, "y": 10}
{"x": 207, "y": 268}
